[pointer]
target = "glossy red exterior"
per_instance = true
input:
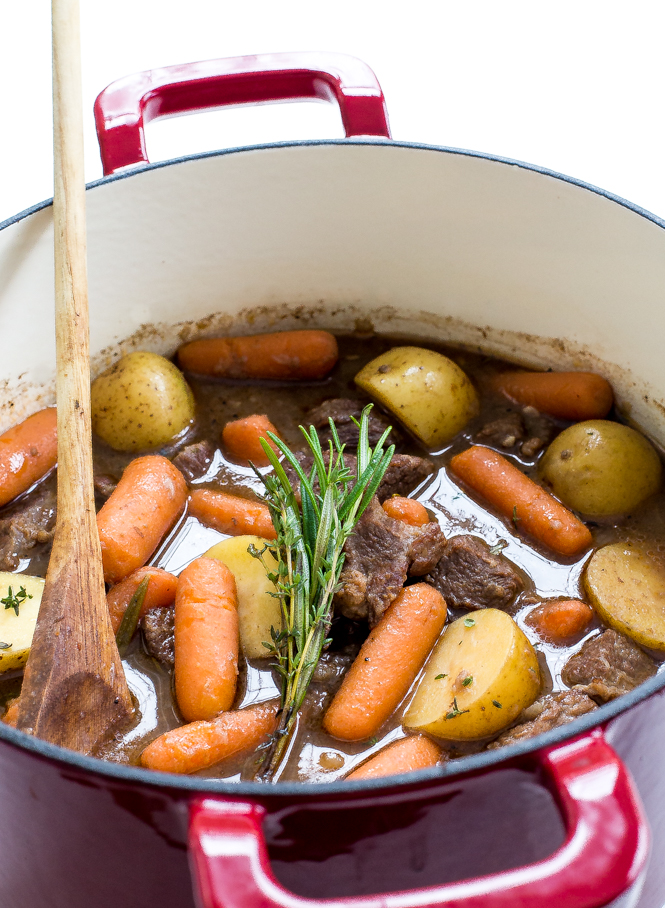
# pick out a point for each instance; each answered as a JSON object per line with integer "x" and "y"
{"x": 124, "y": 107}
{"x": 605, "y": 849}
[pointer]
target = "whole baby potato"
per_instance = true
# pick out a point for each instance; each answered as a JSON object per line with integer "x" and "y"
{"x": 482, "y": 673}
{"x": 426, "y": 391}
{"x": 141, "y": 402}
{"x": 601, "y": 468}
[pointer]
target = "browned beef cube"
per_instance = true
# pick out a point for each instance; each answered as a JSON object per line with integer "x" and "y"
{"x": 341, "y": 410}
{"x": 608, "y": 666}
{"x": 470, "y": 576}
{"x": 27, "y": 524}
{"x": 546, "y": 713}
{"x": 194, "y": 460}
{"x": 503, "y": 432}
{"x": 380, "y": 554}
{"x": 159, "y": 634}
{"x": 104, "y": 485}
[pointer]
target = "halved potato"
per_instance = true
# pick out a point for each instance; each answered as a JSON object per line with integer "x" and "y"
{"x": 17, "y": 630}
{"x": 428, "y": 392}
{"x": 482, "y": 674}
{"x": 627, "y": 588}
{"x": 258, "y": 611}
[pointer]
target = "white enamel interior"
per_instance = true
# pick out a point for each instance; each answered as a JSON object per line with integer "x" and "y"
{"x": 418, "y": 241}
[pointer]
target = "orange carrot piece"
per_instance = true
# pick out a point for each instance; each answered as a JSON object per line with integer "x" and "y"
{"x": 408, "y": 510}
{"x": 142, "y": 508}
{"x": 560, "y": 620}
{"x": 566, "y": 395}
{"x": 11, "y": 715}
{"x": 387, "y": 664}
{"x": 241, "y": 438}
{"x": 160, "y": 593}
{"x": 405, "y": 755}
{"x": 518, "y": 498}
{"x": 27, "y": 452}
{"x": 206, "y": 639}
{"x": 282, "y": 355}
{"x": 202, "y": 744}
{"x": 231, "y": 514}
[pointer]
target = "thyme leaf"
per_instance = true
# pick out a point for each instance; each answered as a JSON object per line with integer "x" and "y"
{"x": 15, "y": 601}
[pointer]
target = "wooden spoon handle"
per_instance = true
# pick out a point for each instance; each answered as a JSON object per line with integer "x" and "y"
{"x": 74, "y": 691}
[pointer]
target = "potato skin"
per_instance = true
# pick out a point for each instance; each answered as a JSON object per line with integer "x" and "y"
{"x": 504, "y": 672}
{"x": 627, "y": 589}
{"x": 141, "y": 402}
{"x": 428, "y": 392}
{"x": 601, "y": 468}
{"x": 258, "y": 611}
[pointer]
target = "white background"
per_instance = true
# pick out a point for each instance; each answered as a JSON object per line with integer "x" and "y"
{"x": 578, "y": 87}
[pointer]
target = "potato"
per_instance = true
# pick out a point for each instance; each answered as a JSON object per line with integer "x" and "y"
{"x": 141, "y": 402}
{"x": 427, "y": 392}
{"x": 17, "y": 630}
{"x": 258, "y": 611}
{"x": 627, "y": 589}
{"x": 488, "y": 648}
{"x": 601, "y": 468}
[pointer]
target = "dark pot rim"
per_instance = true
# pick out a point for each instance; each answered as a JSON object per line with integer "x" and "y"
{"x": 474, "y": 763}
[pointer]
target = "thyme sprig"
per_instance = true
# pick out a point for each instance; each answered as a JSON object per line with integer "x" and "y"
{"x": 309, "y": 550}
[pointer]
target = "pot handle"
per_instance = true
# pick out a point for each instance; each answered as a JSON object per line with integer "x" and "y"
{"x": 606, "y": 848}
{"x": 123, "y": 108}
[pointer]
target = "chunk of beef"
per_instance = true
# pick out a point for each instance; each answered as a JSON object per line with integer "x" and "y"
{"x": 546, "y": 713}
{"x": 405, "y": 472}
{"x": 504, "y": 432}
{"x": 468, "y": 575}
{"x": 341, "y": 409}
{"x": 27, "y": 524}
{"x": 540, "y": 431}
{"x": 194, "y": 460}
{"x": 332, "y": 667}
{"x": 608, "y": 666}
{"x": 104, "y": 485}
{"x": 159, "y": 634}
{"x": 380, "y": 554}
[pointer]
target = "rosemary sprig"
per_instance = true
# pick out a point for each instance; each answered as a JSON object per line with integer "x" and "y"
{"x": 309, "y": 551}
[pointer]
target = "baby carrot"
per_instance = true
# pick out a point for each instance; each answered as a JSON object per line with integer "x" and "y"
{"x": 202, "y": 744}
{"x": 206, "y": 639}
{"x": 560, "y": 620}
{"x": 408, "y": 510}
{"x": 241, "y": 438}
{"x": 231, "y": 514}
{"x": 405, "y": 755}
{"x": 518, "y": 498}
{"x": 139, "y": 512}
{"x": 27, "y": 452}
{"x": 282, "y": 355}
{"x": 11, "y": 715}
{"x": 160, "y": 593}
{"x": 566, "y": 395}
{"x": 389, "y": 660}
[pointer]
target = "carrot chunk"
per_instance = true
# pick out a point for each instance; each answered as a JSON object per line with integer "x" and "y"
{"x": 242, "y": 439}
{"x": 231, "y": 514}
{"x": 560, "y": 620}
{"x": 27, "y": 452}
{"x": 202, "y": 744}
{"x": 142, "y": 508}
{"x": 405, "y": 755}
{"x": 206, "y": 639}
{"x": 566, "y": 395}
{"x": 518, "y": 498}
{"x": 11, "y": 715}
{"x": 160, "y": 593}
{"x": 387, "y": 664}
{"x": 408, "y": 510}
{"x": 282, "y": 355}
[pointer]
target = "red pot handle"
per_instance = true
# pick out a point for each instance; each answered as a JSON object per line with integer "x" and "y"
{"x": 123, "y": 108}
{"x": 606, "y": 848}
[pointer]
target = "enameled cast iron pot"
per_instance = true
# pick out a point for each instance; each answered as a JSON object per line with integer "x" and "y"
{"x": 360, "y": 233}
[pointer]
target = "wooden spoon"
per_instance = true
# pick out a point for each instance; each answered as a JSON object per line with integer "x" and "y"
{"x": 74, "y": 692}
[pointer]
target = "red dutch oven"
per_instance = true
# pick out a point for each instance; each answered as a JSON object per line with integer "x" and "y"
{"x": 429, "y": 242}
